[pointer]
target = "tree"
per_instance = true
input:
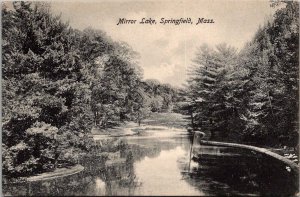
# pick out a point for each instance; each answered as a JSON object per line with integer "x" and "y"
{"x": 251, "y": 96}
{"x": 40, "y": 61}
{"x": 273, "y": 105}
{"x": 208, "y": 87}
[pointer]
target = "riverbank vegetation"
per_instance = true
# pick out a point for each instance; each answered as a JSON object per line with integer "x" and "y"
{"x": 251, "y": 95}
{"x": 59, "y": 82}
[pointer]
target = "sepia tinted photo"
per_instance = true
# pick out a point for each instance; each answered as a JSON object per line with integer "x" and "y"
{"x": 150, "y": 98}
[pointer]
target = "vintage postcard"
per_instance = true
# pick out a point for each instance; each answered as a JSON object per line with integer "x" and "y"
{"x": 150, "y": 98}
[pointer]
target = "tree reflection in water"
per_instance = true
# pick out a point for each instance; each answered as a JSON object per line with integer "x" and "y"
{"x": 140, "y": 164}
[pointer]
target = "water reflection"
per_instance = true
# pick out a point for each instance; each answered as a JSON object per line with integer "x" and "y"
{"x": 158, "y": 164}
{"x": 233, "y": 171}
{"x": 168, "y": 181}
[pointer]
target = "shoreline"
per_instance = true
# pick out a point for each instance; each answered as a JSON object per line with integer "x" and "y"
{"x": 263, "y": 151}
{"x": 58, "y": 173}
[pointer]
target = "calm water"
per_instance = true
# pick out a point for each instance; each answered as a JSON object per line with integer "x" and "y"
{"x": 158, "y": 163}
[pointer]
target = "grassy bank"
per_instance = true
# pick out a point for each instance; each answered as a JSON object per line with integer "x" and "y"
{"x": 132, "y": 128}
{"x": 167, "y": 119}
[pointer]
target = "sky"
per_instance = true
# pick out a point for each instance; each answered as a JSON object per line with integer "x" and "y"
{"x": 166, "y": 51}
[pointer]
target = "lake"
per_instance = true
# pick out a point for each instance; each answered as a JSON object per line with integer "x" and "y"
{"x": 157, "y": 162}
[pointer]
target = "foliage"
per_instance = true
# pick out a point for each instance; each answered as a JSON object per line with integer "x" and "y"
{"x": 45, "y": 99}
{"x": 253, "y": 95}
{"x": 58, "y": 82}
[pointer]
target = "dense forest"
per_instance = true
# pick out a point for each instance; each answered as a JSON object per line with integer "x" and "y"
{"x": 59, "y": 82}
{"x": 251, "y": 95}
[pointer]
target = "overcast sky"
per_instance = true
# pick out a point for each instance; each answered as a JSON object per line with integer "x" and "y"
{"x": 166, "y": 50}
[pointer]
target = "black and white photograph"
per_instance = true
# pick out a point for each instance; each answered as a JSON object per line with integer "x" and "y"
{"x": 150, "y": 98}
